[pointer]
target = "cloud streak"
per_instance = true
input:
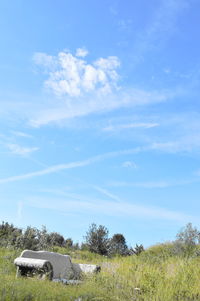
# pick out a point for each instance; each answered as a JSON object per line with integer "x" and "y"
{"x": 129, "y": 164}
{"x": 76, "y": 164}
{"x": 107, "y": 193}
{"x": 153, "y": 184}
{"x": 143, "y": 125}
{"x": 109, "y": 208}
{"x": 91, "y": 160}
{"x": 96, "y": 103}
{"x": 49, "y": 170}
{"x": 21, "y": 134}
{"x": 20, "y": 150}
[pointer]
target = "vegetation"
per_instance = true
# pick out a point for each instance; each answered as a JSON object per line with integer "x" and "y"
{"x": 96, "y": 240}
{"x": 164, "y": 272}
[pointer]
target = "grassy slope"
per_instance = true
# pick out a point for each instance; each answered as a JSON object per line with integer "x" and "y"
{"x": 159, "y": 277}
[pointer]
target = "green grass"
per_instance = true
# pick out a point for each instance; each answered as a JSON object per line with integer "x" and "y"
{"x": 159, "y": 276}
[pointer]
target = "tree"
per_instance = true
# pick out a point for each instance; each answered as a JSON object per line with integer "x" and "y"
{"x": 43, "y": 238}
{"x": 29, "y": 239}
{"x": 69, "y": 243}
{"x": 189, "y": 235}
{"x": 56, "y": 239}
{"x": 117, "y": 245}
{"x": 97, "y": 239}
{"x": 186, "y": 240}
{"x": 8, "y": 234}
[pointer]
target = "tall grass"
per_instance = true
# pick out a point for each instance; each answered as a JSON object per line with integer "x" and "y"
{"x": 155, "y": 275}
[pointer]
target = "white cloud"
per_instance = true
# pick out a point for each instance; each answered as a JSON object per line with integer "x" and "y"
{"x": 95, "y": 103}
{"x": 169, "y": 147}
{"x": 129, "y": 164}
{"x": 45, "y": 60}
{"x": 153, "y": 184}
{"x": 21, "y": 134}
{"x": 81, "y": 88}
{"x": 59, "y": 167}
{"x": 158, "y": 184}
{"x": 107, "y": 193}
{"x": 81, "y": 52}
{"x": 109, "y": 208}
{"x": 20, "y": 150}
{"x": 143, "y": 125}
{"x": 73, "y": 76}
{"x": 49, "y": 170}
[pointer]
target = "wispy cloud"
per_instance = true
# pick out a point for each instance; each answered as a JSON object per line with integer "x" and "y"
{"x": 144, "y": 125}
{"x": 171, "y": 133}
{"x": 91, "y": 160}
{"x": 109, "y": 208}
{"x": 154, "y": 184}
{"x": 76, "y": 164}
{"x": 107, "y": 193}
{"x": 157, "y": 184}
{"x": 20, "y": 150}
{"x": 129, "y": 164}
{"x": 83, "y": 106}
{"x": 49, "y": 170}
{"x": 21, "y": 134}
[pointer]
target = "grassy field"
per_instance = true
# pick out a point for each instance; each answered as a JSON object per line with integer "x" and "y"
{"x": 153, "y": 275}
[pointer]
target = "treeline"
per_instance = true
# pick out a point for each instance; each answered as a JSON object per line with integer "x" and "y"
{"x": 96, "y": 240}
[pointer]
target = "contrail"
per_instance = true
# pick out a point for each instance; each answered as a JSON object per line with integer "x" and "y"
{"x": 59, "y": 167}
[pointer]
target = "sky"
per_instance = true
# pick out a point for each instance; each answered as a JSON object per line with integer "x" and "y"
{"x": 100, "y": 116}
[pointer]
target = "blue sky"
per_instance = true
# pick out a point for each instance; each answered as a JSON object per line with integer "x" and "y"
{"x": 99, "y": 116}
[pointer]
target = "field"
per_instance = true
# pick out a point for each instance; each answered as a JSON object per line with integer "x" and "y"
{"x": 153, "y": 275}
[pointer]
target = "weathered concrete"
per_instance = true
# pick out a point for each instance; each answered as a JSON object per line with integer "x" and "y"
{"x": 89, "y": 268}
{"x": 80, "y": 269}
{"x": 38, "y": 267}
{"x": 30, "y": 262}
{"x": 62, "y": 265}
{"x": 62, "y": 268}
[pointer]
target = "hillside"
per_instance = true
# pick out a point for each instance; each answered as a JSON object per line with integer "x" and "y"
{"x": 156, "y": 274}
